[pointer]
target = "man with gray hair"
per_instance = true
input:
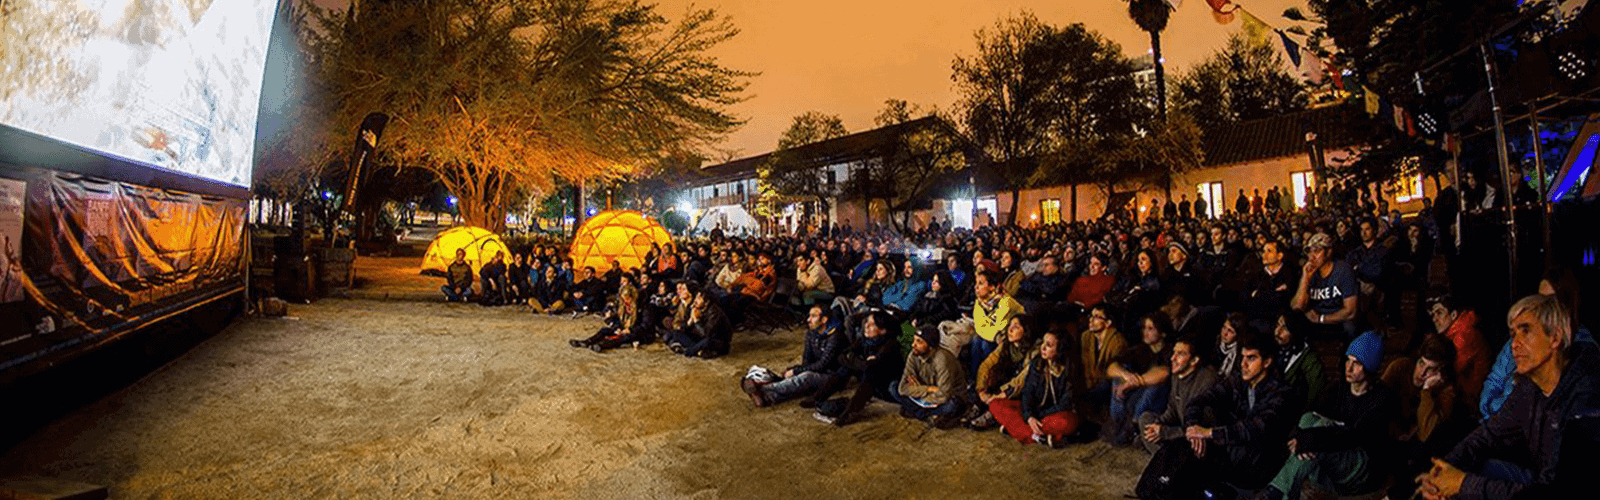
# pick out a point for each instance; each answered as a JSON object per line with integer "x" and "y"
{"x": 1533, "y": 447}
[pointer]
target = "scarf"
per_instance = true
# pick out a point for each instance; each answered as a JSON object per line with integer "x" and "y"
{"x": 1230, "y": 356}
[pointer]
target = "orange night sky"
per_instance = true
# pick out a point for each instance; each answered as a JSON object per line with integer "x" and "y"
{"x": 846, "y": 57}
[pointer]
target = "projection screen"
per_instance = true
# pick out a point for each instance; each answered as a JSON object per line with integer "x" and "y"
{"x": 172, "y": 84}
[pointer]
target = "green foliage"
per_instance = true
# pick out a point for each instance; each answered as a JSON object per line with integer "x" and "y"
{"x": 919, "y": 155}
{"x": 1033, "y": 88}
{"x": 784, "y": 175}
{"x": 498, "y": 97}
{"x": 675, "y": 221}
{"x": 1243, "y": 81}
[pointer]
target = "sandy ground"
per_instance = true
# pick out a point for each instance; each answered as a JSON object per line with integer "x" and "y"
{"x": 383, "y": 399}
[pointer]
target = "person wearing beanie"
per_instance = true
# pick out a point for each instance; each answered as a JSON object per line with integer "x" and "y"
{"x": 931, "y": 387}
{"x": 1182, "y": 278}
{"x": 1345, "y": 442}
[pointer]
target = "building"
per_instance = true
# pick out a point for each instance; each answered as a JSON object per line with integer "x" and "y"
{"x": 835, "y": 162}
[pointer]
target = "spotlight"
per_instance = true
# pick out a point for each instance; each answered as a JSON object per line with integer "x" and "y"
{"x": 1572, "y": 66}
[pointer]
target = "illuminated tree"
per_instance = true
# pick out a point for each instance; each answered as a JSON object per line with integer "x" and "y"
{"x": 786, "y": 175}
{"x": 502, "y": 97}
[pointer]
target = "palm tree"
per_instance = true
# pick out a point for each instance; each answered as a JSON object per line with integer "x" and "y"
{"x": 1151, "y": 16}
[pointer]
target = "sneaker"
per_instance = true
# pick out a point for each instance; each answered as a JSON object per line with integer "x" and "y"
{"x": 576, "y": 343}
{"x": 824, "y": 418}
{"x": 983, "y": 422}
{"x": 676, "y": 348}
{"x": 596, "y": 348}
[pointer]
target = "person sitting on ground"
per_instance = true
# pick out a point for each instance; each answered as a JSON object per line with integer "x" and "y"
{"x": 1190, "y": 377}
{"x": 1440, "y": 417}
{"x": 1040, "y": 291}
{"x": 517, "y": 278}
{"x": 814, "y": 284}
{"x": 1100, "y": 345}
{"x": 707, "y": 334}
{"x": 588, "y": 294}
{"x": 819, "y": 364}
{"x": 1346, "y": 441}
{"x": 1091, "y": 288}
{"x": 622, "y": 321}
{"x": 613, "y": 276}
{"x": 1271, "y": 286}
{"x": 1043, "y": 411}
{"x": 458, "y": 287}
{"x": 1139, "y": 379}
{"x": 937, "y": 304}
{"x": 1328, "y": 292}
{"x": 1541, "y": 444}
{"x": 875, "y": 361}
{"x": 1003, "y": 368}
{"x": 495, "y": 286}
{"x": 1300, "y": 366}
{"x": 1234, "y": 433}
{"x": 1228, "y": 343}
{"x": 1011, "y": 269}
{"x": 902, "y": 295}
{"x": 990, "y": 314}
{"x": 932, "y": 384}
{"x": 1461, "y": 327}
{"x": 553, "y": 297}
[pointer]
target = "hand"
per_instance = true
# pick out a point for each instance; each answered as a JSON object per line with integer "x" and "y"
{"x": 1441, "y": 482}
{"x": 1197, "y": 432}
{"x": 788, "y": 373}
{"x": 1293, "y": 445}
{"x": 1152, "y": 432}
{"x": 1305, "y": 271}
{"x": 1432, "y": 381}
{"x": 1199, "y": 447}
{"x": 1307, "y": 456}
{"x": 1121, "y": 391}
{"x": 1036, "y": 426}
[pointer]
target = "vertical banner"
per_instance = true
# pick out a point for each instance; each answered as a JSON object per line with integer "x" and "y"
{"x": 366, "y": 145}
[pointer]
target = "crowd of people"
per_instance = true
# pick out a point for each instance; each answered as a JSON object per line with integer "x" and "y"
{"x": 1261, "y": 352}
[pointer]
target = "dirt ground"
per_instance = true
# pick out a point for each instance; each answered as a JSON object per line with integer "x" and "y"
{"x": 387, "y": 399}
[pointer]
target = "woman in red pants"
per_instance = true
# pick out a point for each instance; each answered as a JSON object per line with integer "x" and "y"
{"x": 1043, "y": 413}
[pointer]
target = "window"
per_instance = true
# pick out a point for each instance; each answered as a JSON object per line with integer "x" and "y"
{"x": 1210, "y": 193}
{"x": 716, "y": 191}
{"x": 833, "y": 177}
{"x": 1408, "y": 188}
{"x": 1050, "y": 211}
{"x": 1304, "y": 184}
{"x": 741, "y": 189}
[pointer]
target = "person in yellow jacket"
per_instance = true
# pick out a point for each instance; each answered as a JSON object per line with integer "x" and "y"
{"x": 990, "y": 315}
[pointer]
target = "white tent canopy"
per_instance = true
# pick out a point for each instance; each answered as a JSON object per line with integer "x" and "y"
{"x": 732, "y": 219}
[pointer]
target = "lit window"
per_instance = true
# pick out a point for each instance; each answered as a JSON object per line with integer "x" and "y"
{"x": 1408, "y": 188}
{"x": 1210, "y": 193}
{"x": 1051, "y": 209}
{"x": 1304, "y": 182}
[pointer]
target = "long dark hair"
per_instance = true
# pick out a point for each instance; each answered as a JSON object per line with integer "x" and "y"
{"x": 947, "y": 284}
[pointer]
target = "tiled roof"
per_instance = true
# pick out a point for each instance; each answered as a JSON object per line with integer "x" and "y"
{"x": 1280, "y": 136}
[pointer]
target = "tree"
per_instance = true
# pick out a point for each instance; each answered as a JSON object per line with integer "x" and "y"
{"x": 786, "y": 175}
{"x": 1241, "y": 82}
{"x": 1388, "y": 47}
{"x": 1171, "y": 146}
{"x": 923, "y": 150}
{"x": 500, "y": 96}
{"x": 1151, "y": 16}
{"x": 1032, "y": 88}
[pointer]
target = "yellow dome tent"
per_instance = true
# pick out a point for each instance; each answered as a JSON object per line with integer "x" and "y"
{"x": 621, "y": 235}
{"x": 480, "y": 244}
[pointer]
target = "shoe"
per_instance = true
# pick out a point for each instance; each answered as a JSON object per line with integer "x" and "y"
{"x": 753, "y": 389}
{"x": 824, "y": 418}
{"x": 576, "y": 343}
{"x": 983, "y": 422}
{"x": 676, "y": 348}
{"x": 536, "y": 306}
{"x": 575, "y": 314}
{"x": 808, "y": 403}
{"x": 596, "y": 348}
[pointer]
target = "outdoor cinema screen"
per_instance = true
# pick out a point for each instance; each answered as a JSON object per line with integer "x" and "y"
{"x": 174, "y": 84}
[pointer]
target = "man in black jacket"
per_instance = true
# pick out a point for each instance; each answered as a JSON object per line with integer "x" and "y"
{"x": 1344, "y": 443}
{"x": 1270, "y": 287}
{"x": 876, "y": 360}
{"x": 1539, "y": 442}
{"x": 707, "y": 333}
{"x": 819, "y": 363}
{"x": 1235, "y": 433}
{"x": 495, "y": 284}
{"x": 588, "y": 294}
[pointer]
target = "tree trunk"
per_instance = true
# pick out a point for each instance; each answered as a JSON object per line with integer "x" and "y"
{"x": 1161, "y": 75}
{"x": 1016, "y": 198}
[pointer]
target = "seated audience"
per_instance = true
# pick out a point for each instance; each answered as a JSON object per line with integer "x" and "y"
{"x": 1043, "y": 411}
{"x": 931, "y": 387}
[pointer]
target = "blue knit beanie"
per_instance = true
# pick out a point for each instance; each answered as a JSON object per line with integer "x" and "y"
{"x": 1368, "y": 349}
